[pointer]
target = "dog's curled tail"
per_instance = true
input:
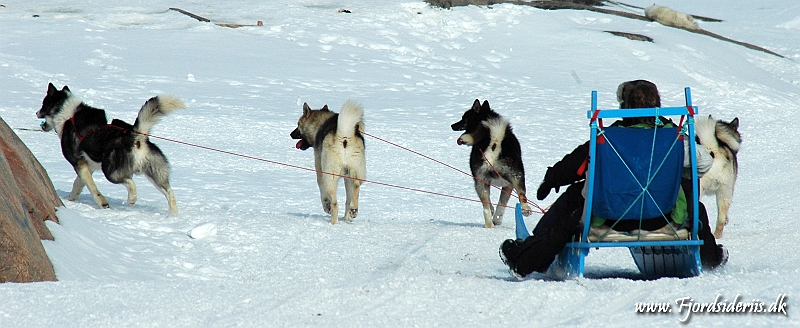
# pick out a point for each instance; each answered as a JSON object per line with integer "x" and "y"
{"x": 351, "y": 119}
{"x": 497, "y": 129}
{"x": 705, "y": 131}
{"x": 153, "y": 110}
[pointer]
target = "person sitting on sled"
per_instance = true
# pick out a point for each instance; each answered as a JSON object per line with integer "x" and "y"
{"x": 563, "y": 221}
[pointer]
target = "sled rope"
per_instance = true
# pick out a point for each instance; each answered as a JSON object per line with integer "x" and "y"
{"x": 541, "y": 210}
{"x": 512, "y": 192}
{"x": 433, "y": 159}
{"x": 312, "y": 170}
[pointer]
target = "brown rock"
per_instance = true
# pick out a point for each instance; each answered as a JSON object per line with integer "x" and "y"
{"x": 27, "y": 198}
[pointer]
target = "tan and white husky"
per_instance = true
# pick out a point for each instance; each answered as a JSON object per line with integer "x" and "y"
{"x": 722, "y": 140}
{"x": 338, "y": 152}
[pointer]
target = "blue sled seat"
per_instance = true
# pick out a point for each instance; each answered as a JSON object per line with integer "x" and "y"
{"x": 635, "y": 174}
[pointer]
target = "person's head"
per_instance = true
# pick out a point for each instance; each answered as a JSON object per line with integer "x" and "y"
{"x": 638, "y": 94}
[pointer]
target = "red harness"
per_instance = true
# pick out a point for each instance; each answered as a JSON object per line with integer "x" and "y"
{"x": 81, "y": 137}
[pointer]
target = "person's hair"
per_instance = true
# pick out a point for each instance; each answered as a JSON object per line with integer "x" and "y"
{"x": 638, "y": 94}
{"x": 643, "y": 97}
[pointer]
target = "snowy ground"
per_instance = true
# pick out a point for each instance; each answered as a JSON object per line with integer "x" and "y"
{"x": 410, "y": 258}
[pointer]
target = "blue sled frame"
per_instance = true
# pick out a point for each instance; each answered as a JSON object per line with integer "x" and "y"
{"x": 655, "y": 259}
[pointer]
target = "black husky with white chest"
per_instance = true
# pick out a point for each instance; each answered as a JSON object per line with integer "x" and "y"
{"x": 121, "y": 150}
{"x": 495, "y": 149}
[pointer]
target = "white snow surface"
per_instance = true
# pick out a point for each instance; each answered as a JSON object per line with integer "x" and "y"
{"x": 265, "y": 253}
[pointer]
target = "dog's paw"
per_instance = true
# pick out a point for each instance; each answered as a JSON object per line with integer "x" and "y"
{"x": 131, "y": 201}
{"x": 326, "y": 206}
{"x": 718, "y": 234}
{"x": 497, "y": 220}
{"x": 73, "y": 198}
{"x": 101, "y": 201}
{"x": 526, "y": 210}
{"x": 353, "y": 213}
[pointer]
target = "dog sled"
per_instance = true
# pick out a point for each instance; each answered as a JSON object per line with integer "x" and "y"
{"x": 634, "y": 174}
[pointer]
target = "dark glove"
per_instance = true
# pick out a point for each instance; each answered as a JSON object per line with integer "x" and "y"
{"x": 544, "y": 190}
{"x": 547, "y": 184}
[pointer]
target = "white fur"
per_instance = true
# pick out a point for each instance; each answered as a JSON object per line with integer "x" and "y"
{"x": 497, "y": 132}
{"x": 721, "y": 177}
{"x": 152, "y": 111}
{"x": 65, "y": 114}
{"x": 706, "y": 130}
{"x": 466, "y": 139}
{"x": 343, "y": 155}
{"x": 351, "y": 116}
{"x": 669, "y": 17}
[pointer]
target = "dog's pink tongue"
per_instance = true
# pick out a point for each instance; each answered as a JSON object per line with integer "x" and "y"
{"x": 459, "y": 142}
{"x": 299, "y": 144}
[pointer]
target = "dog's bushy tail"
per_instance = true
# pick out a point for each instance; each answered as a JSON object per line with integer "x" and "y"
{"x": 497, "y": 129}
{"x": 351, "y": 119}
{"x": 153, "y": 110}
{"x": 706, "y": 131}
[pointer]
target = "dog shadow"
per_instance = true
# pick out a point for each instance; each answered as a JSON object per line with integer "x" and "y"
{"x": 114, "y": 203}
{"x": 459, "y": 224}
{"x": 315, "y": 217}
{"x": 85, "y": 199}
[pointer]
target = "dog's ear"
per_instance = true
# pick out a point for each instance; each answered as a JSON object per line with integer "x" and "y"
{"x": 485, "y": 106}
{"x": 325, "y": 108}
{"x": 66, "y": 88}
{"x": 476, "y": 106}
{"x": 306, "y": 109}
{"x": 734, "y": 124}
{"x": 51, "y": 89}
{"x": 710, "y": 118}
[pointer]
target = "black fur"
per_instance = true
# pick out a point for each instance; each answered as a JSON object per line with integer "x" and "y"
{"x": 108, "y": 144}
{"x": 510, "y": 150}
{"x": 87, "y": 137}
{"x": 509, "y": 160}
{"x": 328, "y": 127}
{"x": 296, "y": 134}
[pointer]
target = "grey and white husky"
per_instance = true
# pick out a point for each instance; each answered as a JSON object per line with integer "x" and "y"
{"x": 121, "y": 150}
{"x": 338, "y": 152}
{"x": 722, "y": 140}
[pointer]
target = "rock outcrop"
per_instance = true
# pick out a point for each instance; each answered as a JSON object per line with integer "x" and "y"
{"x": 27, "y": 198}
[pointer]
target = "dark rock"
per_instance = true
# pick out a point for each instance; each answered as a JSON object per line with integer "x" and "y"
{"x": 632, "y": 36}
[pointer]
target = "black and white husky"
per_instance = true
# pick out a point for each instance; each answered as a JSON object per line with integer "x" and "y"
{"x": 722, "y": 140}
{"x": 121, "y": 150}
{"x": 495, "y": 149}
{"x": 338, "y": 152}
